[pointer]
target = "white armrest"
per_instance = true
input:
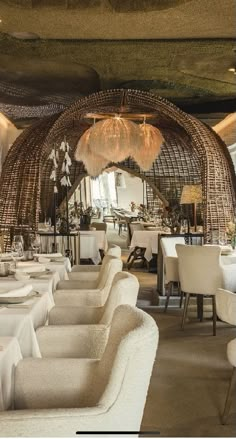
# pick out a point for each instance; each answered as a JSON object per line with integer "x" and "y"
{"x": 52, "y": 382}
{"x": 78, "y": 298}
{"x": 86, "y": 268}
{"x": 56, "y": 422}
{"x": 171, "y": 269}
{"x": 77, "y": 285}
{"x": 76, "y": 341}
{"x": 229, "y": 277}
{"x": 75, "y": 315}
{"x": 84, "y": 275}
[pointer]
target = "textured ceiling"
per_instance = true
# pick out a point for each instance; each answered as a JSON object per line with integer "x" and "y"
{"x": 180, "y": 50}
{"x": 120, "y": 19}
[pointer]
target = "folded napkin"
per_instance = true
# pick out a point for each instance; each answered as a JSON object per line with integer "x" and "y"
{"x": 30, "y": 268}
{"x": 19, "y": 292}
{"x": 48, "y": 255}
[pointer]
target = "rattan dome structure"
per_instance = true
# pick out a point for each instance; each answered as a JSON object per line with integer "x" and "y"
{"x": 191, "y": 154}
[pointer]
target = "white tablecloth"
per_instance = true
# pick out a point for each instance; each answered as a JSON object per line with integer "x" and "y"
{"x": 146, "y": 239}
{"x": 229, "y": 259}
{"x": 21, "y": 320}
{"x": 45, "y": 283}
{"x": 61, "y": 268}
{"x": 100, "y": 236}
{"x": 89, "y": 248}
{"x": 10, "y": 355}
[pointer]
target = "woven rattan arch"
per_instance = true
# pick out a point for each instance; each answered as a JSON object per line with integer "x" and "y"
{"x": 192, "y": 154}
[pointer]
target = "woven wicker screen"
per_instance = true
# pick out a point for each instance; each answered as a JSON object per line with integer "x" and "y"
{"x": 192, "y": 154}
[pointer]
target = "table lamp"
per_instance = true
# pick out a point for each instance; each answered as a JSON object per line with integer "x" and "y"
{"x": 192, "y": 194}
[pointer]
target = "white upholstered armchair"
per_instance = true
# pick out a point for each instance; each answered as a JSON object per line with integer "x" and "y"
{"x": 91, "y": 293}
{"x": 226, "y": 311}
{"x": 91, "y": 272}
{"x": 63, "y": 396}
{"x": 82, "y": 332}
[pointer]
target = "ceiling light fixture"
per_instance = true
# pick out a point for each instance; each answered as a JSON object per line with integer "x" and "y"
{"x": 232, "y": 69}
{"x": 116, "y": 137}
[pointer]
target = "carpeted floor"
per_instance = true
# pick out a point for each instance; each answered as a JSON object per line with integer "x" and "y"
{"x": 191, "y": 373}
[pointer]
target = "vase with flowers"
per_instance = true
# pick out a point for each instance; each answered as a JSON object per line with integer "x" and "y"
{"x": 231, "y": 233}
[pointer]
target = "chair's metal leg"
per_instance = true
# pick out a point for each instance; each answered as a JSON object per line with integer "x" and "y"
{"x": 200, "y": 307}
{"x": 229, "y": 397}
{"x": 187, "y": 297}
{"x": 168, "y": 295}
{"x": 214, "y": 314}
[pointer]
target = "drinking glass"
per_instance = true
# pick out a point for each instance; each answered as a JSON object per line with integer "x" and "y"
{"x": 222, "y": 238}
{"x": 36, "y": 243}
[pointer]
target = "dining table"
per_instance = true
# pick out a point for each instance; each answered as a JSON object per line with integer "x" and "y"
{"x": 41, "y": 282}
{"x": 10, "y": 355}
{"x": 60, "y": 267}
{"x": 84, "y": 244}
{"x": 20, "y": 320}
{"x": 147, "y": 239}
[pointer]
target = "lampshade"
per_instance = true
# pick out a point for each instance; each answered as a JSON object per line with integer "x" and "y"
{"x": 94, "y": 163}
{"x": 191, "y": 194}
{"x": 151, "y": 145}
{"x": 115, "y": 139}
{"x": 120, "y": 180}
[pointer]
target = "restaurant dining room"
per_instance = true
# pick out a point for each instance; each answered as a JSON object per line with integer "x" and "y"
{"x": 117, "y": 218}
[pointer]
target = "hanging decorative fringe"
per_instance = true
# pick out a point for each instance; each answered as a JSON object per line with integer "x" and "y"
{"x": 94, "y": 163}
{"x": 114, "y": 140}
{"x": 151, "y": 145}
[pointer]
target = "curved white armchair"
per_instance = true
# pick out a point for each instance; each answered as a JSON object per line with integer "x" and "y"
{"x": 226, "y": 311}
{"x": 83, "y": 272}
{"x": 171, "y": 269}
{"x": 62, "y": 396}
{"x": 201, "y": 273}
{"x": 81, "y": 332}
{"x": 90, "y": 293}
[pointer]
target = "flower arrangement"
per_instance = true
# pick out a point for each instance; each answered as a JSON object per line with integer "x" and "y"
{"x": 231, "y": 232}
{"x": 143, "y": 212}
{"x": 172, "y": 218}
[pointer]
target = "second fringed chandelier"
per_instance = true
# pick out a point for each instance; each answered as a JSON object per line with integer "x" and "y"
{"x": 115, "y": 138}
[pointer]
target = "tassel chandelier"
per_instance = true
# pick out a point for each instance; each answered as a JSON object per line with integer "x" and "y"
{"x": 116, "y": 137}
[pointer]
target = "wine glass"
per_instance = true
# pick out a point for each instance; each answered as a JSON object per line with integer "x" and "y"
{"x": 36, "y": 243}
{"x": 222, "y": 238}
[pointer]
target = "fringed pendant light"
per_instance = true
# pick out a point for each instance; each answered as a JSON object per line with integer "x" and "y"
{"x": 113, "y": 140}
{"x": 94, "y": 163}
{"x": 151, "y": 145}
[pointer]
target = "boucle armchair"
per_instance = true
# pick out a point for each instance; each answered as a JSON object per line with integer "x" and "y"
{"x": 91, "y": 293}
{"x": 171, "y": 269}
{"x": 201, "y": 273}
{"x": 63, "y": 396}
{"x": 82, "y": 332}
{"x": 226, "y": 311}
{"x": 91, "y": 272}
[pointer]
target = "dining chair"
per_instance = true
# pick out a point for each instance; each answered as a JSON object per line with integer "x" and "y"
{"x": 138, "y": 252}
{"x": 171, "y": 269}
{"x": 63, "y": 396}
{"x": 90, "y": 293}
{"x": 201, "y": 273}
{"x": 83, "y": 272}
{"x": 226, "y": 311}
{"x": 99, "y": 226}
{"x": 82, "y": 332}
